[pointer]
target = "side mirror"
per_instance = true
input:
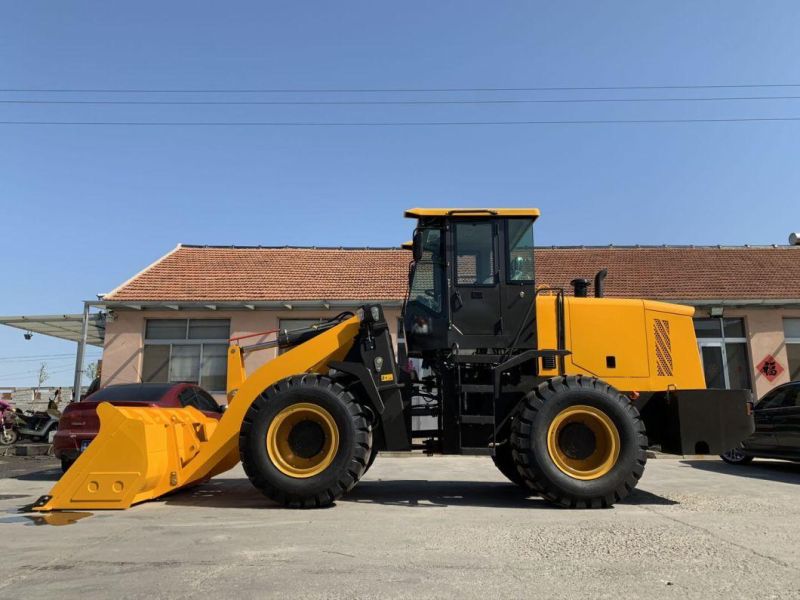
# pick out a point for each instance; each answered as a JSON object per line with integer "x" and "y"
{"x": 417, "y": 245}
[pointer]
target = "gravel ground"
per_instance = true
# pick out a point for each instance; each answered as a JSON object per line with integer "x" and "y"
{"x": 418, "y": 527}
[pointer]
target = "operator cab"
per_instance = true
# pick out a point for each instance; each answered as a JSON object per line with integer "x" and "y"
{"x": 472, "y": 280}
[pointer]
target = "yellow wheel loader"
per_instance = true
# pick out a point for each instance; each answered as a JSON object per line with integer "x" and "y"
{"x": 565, "y": 392}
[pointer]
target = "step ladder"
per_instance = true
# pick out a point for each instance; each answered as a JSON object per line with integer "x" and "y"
{"x": 482, "y": 421}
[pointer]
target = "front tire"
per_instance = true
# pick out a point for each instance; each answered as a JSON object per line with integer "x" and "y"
{"x": 305, "y": 441}
{"x": 8, "y": 437}
{"x": 579, "y": 442}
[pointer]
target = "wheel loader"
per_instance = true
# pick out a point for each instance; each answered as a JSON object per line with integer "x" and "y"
{"x": 563, "y": 390}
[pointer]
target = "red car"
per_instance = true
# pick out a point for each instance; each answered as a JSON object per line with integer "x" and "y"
{"x": 79, "y": 422}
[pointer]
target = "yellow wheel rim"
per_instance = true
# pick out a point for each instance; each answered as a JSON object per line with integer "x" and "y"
{"x": 302, "y": 440}
{"x": 583, "y": 442}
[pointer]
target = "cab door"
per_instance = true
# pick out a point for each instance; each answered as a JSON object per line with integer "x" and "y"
{"x": 475, "y": 296}
{"x": 518, "y": 287}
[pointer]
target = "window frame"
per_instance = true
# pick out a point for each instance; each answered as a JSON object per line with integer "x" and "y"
{"x": 507, "y": 253}
{"x": 723, "y": 342}
{"x": 794, "y": 341}
{"x": 439, "y": 273}
{"x": 186, "y": 341}
{"x": 493, "y": 238}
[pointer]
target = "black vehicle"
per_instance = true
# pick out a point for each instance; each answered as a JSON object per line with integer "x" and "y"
{"x": 777, "y": 434}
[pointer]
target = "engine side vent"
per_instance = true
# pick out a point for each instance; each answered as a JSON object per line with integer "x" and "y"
{"x": 663, "y": 348}
{"x": 549, "y": 362}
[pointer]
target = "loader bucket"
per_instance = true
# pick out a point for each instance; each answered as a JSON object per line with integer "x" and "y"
{"x": 141, "y": 453}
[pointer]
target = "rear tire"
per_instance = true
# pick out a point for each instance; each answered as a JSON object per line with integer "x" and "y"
{"x": 504, "y": 461}
{"x": 579, "y": 442}
{"x": 305, "y": 441}
{"x": 66, "y": 464}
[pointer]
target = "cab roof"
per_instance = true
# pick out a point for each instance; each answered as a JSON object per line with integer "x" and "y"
{"x": 416, "y": 213}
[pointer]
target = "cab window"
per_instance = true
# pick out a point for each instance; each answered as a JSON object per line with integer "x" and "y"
{"x": 519, "y": 255}
{"x": 475, "y": 262}
{"x": 426, "y": 280}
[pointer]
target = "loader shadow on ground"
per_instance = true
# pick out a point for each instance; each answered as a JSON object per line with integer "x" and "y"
{"x": 784, "y": 472}
{"x": 220, "y": 493}
{"x": 411, "y": 493}
{"x": 422, "y": 493}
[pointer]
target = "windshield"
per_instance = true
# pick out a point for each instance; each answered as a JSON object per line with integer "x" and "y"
{"x": 137, "y": 392}
{"x": 425, "y": 285}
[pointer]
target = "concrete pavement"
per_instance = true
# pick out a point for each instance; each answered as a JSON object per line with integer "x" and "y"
{"x": 421, "y": 527}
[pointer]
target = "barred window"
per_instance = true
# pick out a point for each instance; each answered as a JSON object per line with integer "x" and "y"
{"x": 192, "y": 350}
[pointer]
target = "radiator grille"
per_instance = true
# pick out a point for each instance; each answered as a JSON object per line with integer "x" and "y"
{"x": 663, "y": 348}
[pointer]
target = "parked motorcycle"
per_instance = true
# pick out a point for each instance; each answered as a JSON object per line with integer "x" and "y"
{"x": 8, "y": 424}
{"x": 38, "y": 425}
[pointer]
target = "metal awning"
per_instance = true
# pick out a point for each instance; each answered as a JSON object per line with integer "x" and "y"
{"x": 66, "y": 327}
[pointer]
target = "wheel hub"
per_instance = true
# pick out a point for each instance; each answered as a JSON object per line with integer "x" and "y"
{"x": 583, "y": 442}
{"x": 577, "y": 441}
{"x": 302, "y": 440}
{"x": 307, "y": 439}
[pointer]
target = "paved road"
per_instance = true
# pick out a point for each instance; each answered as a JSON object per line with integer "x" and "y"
{"x": 421, "y": 527}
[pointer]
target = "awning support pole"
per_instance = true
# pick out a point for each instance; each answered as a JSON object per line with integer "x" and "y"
{"x": 76, "y": 386}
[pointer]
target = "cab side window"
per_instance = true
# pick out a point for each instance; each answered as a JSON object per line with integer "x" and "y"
{"x": 519, "y": 258}
{"x": 475, "y": 260}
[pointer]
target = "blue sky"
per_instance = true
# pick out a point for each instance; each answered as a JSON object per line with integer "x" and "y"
{"x": 83, "y": 208}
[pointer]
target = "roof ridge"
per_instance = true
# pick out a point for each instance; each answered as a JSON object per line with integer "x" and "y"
{"x": 547, "y": 247}
{"x": 287, "y": 247}
{"x": 673, "y": 247}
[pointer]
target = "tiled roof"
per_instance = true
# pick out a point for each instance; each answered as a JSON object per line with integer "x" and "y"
{"x": 195, "y": 273}
{"x": 205, "y": 273}
{"x": 680, "y": 273}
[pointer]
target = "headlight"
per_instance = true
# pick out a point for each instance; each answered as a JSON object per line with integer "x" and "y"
{"x": 378, "y": 363}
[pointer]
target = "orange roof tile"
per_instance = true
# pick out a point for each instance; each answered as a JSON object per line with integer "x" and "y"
{"x": 206, "y": 273}
{"x": 199, "y": 273}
